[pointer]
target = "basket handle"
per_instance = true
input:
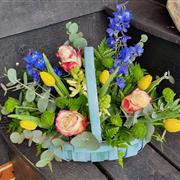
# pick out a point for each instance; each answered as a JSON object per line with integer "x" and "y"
{"x": 92, "y": 92}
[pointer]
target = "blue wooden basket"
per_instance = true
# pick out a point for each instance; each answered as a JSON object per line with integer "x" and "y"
{"x": 105, "y": 152}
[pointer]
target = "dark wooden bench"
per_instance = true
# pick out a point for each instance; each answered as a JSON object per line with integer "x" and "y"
{"x": 38, "y": 25}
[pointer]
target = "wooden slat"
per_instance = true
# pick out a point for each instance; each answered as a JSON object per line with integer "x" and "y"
{"x": 148, "y": 165}
{"x": 170, "y": 149}
{"x": 20, "y": 16}
{"x": 4, "y": 158}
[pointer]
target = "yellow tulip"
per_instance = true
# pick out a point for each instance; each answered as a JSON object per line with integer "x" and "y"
{"x": 172, "y": 125}
{"x": 47, "y": 78}
{"x": 104, "y": 76}
{"x": 27, "y": 124}
{"x": 145, "y": 82}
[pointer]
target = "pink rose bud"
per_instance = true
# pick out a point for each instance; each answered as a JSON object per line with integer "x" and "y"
{"x": 69, "y": 58}
{"x": 136, "y": 101}
{"x": 70, "y": 123}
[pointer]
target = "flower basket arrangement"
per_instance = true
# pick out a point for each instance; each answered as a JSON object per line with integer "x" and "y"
{"x": 98, "y": 104}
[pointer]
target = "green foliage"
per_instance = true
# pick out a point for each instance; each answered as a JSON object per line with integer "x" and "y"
{"x": 112, "y": 131}
{"x": 104, "y": 104}
{"x": 13, "y": 126}
{"x": 78, "y": 104}
{"x": 47, "y": 119}
{"x": 10, "y": 104}
{"x": 116, "y": 120}
{"x": 85, "y": 140}
{"x": 12, "y": 75}
{"x": 104, "y": 55}
{"x": 30, "y": 94}
{"x": 168, "y": 94}
{"x": 139, "y": 130}
{"x": 136, "y": 71}
{"x": 42, "y": 103}
{"x": 75, "y": 38}
{"x": 120, "y": 158}
{"x": 77, "y": 83}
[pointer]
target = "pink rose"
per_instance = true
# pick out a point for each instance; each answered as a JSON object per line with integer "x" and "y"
{"x": 136, "y": 101}
{"x": 70, "y": 123}
{"x": 69, "y": 57}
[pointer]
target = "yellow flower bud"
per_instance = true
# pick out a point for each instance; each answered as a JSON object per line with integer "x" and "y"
{"x": 104, "y": 76}
{"x": 47, "y": 78}
{"x": 172, "y": 125}
{"x": 145, "y": 82}
{"x": 27, "y": 124}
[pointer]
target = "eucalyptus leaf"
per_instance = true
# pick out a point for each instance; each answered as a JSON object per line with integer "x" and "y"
{"x": 73, "y": 28}
{"x": 47, "y": 155}
{"x": 28, "y": 134}
{"x": 21, "y": 138}
{"x": 171, "y": 79}
{"x": 42, "y": 162}
{"x": 150, "y": 131}
{"x": 57, "y": 142}
{"x": 4, "y": 88}
{"x": 30, "y": 94}
{"x": 144, "y": 38}
{"x": 4, "y": 112}
{"x": 80, "y": 43}
{"x": 68, "y": 24}
{"x": 51, "y": 106}
{"x": 85, "y": 140}
{"x": 72, "y": 37}
{"x": 15, "y": 137}
{"x": 37, "y": 136}
{"x": 58, "y": 159}
{"x": 42, "y": 104}
{"x": 25, "y": 78}
{"x": 12, "y": 75}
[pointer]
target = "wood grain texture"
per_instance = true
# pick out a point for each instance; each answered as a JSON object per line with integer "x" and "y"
{"x": 152, "y": 17}
{"x": 20, "y": 15}
{"x": 148, "y": 165}
{"x": 170, "y": 149}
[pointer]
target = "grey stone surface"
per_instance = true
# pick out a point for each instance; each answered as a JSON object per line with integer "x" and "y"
{"x": 20, "y": 15}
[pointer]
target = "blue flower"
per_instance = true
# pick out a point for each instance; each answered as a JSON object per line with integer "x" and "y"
{"x": 32, "y": 73}
{"x": 120, "y": 82}
{"x": 139, "y": 50}
{"x": 111, "y": 42}
{"x": 58, "y": 71}
{"x": 123, "y": 69}
{"x": 125, "y": 54}
{"x": 110, "y": 31}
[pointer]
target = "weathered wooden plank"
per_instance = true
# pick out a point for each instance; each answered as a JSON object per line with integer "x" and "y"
{"x": 170, "y": 149}
{"x": 3, "y": 151}
{"x": 148, "y": 165}
{"x": 20, "y": 16}
{"x": 61, "y": 170}
{"x": 152, "y": 17}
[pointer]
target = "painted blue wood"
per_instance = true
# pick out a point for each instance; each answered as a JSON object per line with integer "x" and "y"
{"x": 92, "y": 92}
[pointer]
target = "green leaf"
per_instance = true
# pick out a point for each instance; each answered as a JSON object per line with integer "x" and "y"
{"x": 4, "y": 112}
{"x": 42, "y": 104}
{"x": 73, "y": 28}
{"x": 120, "y": 158}
{"x": 72, "y": 37}
{"x": 85, "y": 140}
{"x": 144, "y": 38}
{"x": 80, "y": 43}
{"x": 68, "y": 24}
{"x": 116, "y": 120}
{"x": 15, "y": 137}
{"x": 150, "y": 131}
{"x": 103, "y": 90}
{"x": 4, "y": 88}
{"x": 43, "y": 162}
{"x": 47, "y": 155}
{"x": 25, "y": 78}
{"x": 111, "y": 132}
{"x": 47, "y": 119}
{"x": 12, "y": 75}
{"x": 58, "y": 142}
{"x": 30, "y": 94}
{"x": 22, "y": 117}
{"x": 37, "y": 134}
{"x": 28, "y": 134}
